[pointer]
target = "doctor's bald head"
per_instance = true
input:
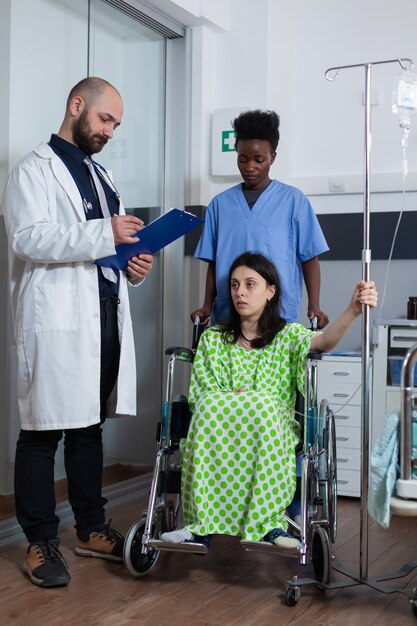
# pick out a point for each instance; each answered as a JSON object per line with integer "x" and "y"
{"x": 90, "y": 89}
{"x": 94, "y": 110}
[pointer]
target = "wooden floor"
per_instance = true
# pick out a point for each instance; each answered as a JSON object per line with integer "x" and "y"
{"x": 228, "y": 587}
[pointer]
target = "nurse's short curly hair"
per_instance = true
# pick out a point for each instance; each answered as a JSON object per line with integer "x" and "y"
{"x": 257, "y": 124}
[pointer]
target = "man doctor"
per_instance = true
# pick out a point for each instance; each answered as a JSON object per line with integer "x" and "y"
{"x": 76, "y": 359}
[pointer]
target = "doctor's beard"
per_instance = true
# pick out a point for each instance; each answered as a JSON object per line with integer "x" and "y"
{"x": 83, "y": 137}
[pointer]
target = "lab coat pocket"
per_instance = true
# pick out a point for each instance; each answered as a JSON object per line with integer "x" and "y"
{"x": 57, "y": 308}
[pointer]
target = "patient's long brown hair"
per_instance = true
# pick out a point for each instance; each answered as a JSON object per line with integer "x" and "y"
{"x": 270, "y": 322}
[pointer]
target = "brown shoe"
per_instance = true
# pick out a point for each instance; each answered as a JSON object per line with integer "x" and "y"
{"x": 45, "y": 565}
{"x": 105, "y": 543}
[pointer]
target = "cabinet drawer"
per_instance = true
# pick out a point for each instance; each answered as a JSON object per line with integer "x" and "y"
{"x": 349, "y": 415}
{"x": 348, "y": 459}
{"x": 348, "y": 438}
{"x": 339, "y": 393}
{"x": 339, "y": 371}
{"x": 348, "y": 483}
{"x": 402, "y": 337}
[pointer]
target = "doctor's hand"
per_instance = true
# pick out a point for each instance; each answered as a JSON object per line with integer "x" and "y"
{"x": 125, "y": 227}
{"x": 139, "y": 266}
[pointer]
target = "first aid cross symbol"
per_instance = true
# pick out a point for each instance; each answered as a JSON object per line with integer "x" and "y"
{"x": 228, "y": 140}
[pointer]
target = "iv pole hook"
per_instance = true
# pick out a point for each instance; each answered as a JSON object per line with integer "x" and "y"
{"x": 405, "y": 63}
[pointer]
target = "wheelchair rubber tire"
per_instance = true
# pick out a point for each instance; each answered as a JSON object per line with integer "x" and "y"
{"x": 331, "y": 504}
{"x": 413, "y": 601}
{"x": 136, "y": 563}
{"x": 321, "y": 556}
{"x": 291, "y": 596}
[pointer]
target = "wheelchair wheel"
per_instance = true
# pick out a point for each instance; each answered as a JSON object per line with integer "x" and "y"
{"x": 330, "y": 511}
{"x": 413, "y": 601}
{"x": 292, "y": 596}
{"x": 137, "y": 563}
{"x": 321, "y": 555}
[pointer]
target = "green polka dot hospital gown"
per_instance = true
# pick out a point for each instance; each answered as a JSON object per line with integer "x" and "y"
{"x": 239, "y": 456}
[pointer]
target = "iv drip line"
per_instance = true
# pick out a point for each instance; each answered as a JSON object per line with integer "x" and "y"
{"x": 404, "y": 106}
{"x": 394, "y": 238}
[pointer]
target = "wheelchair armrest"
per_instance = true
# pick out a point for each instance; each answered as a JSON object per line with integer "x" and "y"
{"x": 181, "y": 353}
{"x": 314, "y": 355}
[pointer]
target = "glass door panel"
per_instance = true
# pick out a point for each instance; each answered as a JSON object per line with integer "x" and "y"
{"x": 132, "y": 57}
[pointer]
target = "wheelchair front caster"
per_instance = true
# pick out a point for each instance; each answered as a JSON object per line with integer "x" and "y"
{"x": 136, "y": 562}
{"x": 292, "y": 596}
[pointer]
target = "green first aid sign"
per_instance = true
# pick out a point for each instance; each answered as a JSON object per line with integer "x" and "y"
{"x": 228, "y": 141}
{"x": 223, "y": 139}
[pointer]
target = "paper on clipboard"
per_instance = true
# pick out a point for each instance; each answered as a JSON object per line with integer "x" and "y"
{"x": 156, "y": 235}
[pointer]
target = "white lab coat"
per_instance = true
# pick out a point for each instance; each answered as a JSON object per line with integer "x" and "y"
{"x": 55, "y": 298}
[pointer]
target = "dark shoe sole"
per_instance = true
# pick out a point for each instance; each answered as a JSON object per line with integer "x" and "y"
{"x": 98, "y": 555}
{"x": 59, "y": 581}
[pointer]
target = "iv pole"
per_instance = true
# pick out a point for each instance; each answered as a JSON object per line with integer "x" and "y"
{"x": 352, "y": 579}
{"x": 331, "y": 75}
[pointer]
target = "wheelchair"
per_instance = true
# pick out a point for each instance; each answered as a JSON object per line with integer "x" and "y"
{"x": 317, "y": 482}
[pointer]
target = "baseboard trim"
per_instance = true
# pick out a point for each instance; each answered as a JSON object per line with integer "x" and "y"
{"x": 118, "y": 495}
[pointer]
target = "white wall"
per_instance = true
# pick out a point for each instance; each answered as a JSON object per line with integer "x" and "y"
{"x": 323, "y": 124}
{"x": 227, "y": 69}
{"x": 326, "y": 118}
{"x": 274, "y": 55}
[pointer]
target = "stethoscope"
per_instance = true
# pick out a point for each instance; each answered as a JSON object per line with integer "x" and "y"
{"x": 104, "y": 175}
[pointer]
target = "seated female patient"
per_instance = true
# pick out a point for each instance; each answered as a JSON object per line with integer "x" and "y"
{"x": 239, "y": 457}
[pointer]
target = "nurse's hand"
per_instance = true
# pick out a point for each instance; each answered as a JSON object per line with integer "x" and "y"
{"x": 203, "y": 313}
{"x": 125, "y": 227}
{"x": 322, "y": 318}
{"x": 139, "y": 266}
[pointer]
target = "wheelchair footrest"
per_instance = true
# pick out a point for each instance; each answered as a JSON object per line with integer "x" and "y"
{"x": 266, "y": 546}
{"x": 193, "y": 548}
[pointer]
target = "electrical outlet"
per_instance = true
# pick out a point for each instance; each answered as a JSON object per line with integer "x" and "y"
{"x": 337, "y": 184}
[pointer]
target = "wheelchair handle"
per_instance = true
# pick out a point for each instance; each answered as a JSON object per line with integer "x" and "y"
{"x": 314, "y": 323}
{"x": 198, "y": 329}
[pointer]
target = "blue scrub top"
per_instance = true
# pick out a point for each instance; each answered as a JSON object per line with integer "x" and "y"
{"x": 281, "y": 225}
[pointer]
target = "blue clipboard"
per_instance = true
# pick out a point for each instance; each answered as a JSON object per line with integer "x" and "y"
{"x": 156, "y": 235}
